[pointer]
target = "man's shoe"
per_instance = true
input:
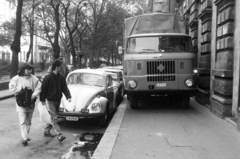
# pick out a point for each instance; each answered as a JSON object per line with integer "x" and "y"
{"x": 61, "y": 138}
{"x": 48, "y": 134}
{"x": 25, "y": 142}
{"x": 28, "y": 139}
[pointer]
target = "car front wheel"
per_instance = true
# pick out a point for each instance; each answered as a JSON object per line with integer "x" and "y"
{"x": 103, "y": 122}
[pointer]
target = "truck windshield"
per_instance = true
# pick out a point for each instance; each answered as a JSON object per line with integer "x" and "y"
{"x": 159, "y": 44}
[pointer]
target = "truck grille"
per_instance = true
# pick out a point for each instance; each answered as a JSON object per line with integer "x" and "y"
{"x": 160, "y": 71}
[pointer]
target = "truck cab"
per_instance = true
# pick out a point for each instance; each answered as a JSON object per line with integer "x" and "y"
{"x": 159, "y": 60}
{"x": 159, "y": 64}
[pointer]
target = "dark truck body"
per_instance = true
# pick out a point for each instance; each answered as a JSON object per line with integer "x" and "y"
{"x": 153, "y": 64}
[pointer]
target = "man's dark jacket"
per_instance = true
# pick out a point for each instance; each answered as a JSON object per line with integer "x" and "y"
{"x": 53, "y": 86}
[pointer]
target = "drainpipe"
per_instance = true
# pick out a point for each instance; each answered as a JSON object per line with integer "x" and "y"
{"x": 213, "y": 48}
{"x": 236, "y": 72}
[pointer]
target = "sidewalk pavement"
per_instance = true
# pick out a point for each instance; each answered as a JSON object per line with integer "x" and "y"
{"x": 4, "y": 94}
{"x": 120, "y": 140}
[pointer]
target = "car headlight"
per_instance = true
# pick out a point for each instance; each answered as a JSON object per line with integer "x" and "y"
{"x": 96, "y": 107}
{"x": 189, "y": 82}
{"x": 132, "y": 84}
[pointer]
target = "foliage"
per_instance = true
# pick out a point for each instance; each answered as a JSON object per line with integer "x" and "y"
{"x": 84, "y": 28}
{"x": 5, "y": 67}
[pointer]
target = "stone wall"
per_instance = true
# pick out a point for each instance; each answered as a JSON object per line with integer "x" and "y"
{"x": 222, "y": 84}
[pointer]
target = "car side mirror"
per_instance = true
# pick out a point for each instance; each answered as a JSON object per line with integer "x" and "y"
{"x": 109, "y": 87}
{"x": 120, "y": 49}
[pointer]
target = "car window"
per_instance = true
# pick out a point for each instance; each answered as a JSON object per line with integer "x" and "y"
{"x": 86, "y": 79}
{"x": 109, "y": 80}
{"x": 113, "y": 74}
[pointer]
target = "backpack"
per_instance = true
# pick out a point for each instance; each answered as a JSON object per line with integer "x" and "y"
{"x": 23, "y": 98}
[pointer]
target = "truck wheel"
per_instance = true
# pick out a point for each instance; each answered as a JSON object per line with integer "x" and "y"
{"x": 185, "y": 101}
{"x": 133, "y": 102}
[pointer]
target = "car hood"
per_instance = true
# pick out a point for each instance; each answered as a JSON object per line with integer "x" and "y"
{"x": 82, "y": 96}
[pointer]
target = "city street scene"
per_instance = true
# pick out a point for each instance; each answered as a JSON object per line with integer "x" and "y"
{"x": 120, "y": 79}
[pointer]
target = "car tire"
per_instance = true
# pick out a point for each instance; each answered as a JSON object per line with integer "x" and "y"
{"x": 133, "y": 100}
{"x": 120, "y": 98}
{"x": 103, "y": 121}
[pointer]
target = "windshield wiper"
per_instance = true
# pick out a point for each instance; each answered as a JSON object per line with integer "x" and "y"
{"x": 85, "y": 84}
{"x": 147, "y": 50}
{"x": 98, "y": 85}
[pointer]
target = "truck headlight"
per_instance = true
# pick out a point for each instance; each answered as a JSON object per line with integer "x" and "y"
{"x": 189, "y": 82}
{"x": 132, "y": 84}
{"x": 96, "y": 107}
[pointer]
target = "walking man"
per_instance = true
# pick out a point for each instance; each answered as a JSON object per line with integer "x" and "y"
{"x": 23, "y": 80}
{"x": 53, "y": 85}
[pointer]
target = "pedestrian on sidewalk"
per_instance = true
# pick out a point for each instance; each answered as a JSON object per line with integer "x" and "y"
{"x": 25, "y": 79}
{"x": 87, "y": 65}
{"x": 64, "y": 70}
{"x": 53, "y": 85}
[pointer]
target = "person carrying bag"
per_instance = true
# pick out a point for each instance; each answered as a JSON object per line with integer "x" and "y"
{"x": 26, "y": 88}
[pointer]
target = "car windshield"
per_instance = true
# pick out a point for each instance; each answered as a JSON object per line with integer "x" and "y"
{"x": 85, "y": 79}
{"x": 159, "y": 44}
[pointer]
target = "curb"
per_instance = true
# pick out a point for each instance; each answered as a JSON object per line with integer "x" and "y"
{"x": 105, "y": 147}
{"x": 228, "y": 119}
{"x": 7, "y": 96}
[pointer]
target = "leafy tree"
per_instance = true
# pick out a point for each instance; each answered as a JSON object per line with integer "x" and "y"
{"x": 15, "y": 46}
{"x": 7, "y": 32}
{"x": 94, "y": 25}
{"x": 28, "y": 14}
{"x": 48, "y": 14}
{"x": 72, "y": 21}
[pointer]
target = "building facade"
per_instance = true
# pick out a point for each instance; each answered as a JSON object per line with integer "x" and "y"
{"x": 214, "y": 28}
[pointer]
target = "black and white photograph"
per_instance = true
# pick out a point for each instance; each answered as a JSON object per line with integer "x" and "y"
{"x": 120, "y": 79}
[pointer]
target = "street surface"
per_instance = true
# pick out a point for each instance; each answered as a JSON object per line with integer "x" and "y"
{"x": 40, "y": 147}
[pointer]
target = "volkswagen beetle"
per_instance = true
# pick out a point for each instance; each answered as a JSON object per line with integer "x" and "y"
{"x": 93, "y": 96}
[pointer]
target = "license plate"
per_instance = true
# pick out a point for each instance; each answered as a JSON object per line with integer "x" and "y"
{"x": 70, "y": 118}
{"x": 84, "y": 110}
{"x": 161, "y": 84}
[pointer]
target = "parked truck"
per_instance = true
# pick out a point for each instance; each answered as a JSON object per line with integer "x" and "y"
{"x": 159, "y": 60}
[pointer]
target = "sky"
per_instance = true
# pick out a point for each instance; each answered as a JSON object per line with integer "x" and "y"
{"x": 5, "y": 11}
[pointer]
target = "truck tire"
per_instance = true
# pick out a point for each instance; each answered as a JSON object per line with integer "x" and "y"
{"x": 133, "y": 100}
{"x": 185, "y": 100}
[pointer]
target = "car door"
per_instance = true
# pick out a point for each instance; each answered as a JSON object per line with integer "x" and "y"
{"x": 110, "y": 93}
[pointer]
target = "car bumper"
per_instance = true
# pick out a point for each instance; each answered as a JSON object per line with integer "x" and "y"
{"x": 161, "y": 92}
{"x": 79, "y": 116}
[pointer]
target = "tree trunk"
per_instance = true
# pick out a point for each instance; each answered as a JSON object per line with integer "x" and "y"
{"x": 112, "y": 57}
{"x": 91, "y": 53}
{"x": 16, "y": 44}
{"x": 30, "y": 50}
{"x": 56, "y": 47}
